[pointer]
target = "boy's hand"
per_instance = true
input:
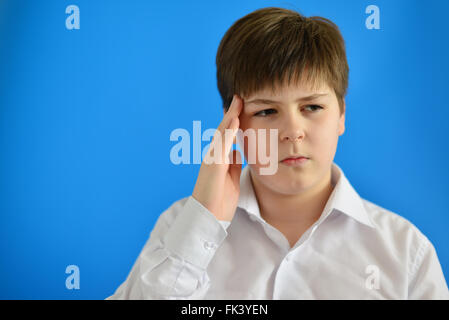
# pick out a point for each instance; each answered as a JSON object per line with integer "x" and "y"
{"x": 218, "y": 184}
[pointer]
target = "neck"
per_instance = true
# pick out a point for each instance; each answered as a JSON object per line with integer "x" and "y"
{"x": 305, "y": 208}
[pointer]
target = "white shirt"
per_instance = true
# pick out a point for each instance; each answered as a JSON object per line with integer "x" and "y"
{"x": 355, "y": 250}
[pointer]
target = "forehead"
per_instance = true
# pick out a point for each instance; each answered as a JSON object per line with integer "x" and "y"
{"x": 285, "y": 95}
{"x": 290, "y": 92}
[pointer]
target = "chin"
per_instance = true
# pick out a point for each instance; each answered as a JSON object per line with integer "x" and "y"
{"x": 285, "y": 181}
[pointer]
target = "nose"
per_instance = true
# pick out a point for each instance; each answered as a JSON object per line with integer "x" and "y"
{"x": 292, "y": 130}
{"x": 294, "y": 139}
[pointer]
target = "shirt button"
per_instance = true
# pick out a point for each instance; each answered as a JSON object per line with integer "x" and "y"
{"x": 208, "y": 245}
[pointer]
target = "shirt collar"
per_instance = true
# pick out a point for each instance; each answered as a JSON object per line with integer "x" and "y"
{"x": 343, "y": 198}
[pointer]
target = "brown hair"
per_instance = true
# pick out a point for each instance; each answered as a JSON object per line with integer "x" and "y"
{"x": 264, "y": 46}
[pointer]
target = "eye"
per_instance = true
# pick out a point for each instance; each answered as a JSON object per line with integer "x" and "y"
{"x": 311, "y": 108}
{"x": 263, "y": 113}
{"x": 314, "y": 107}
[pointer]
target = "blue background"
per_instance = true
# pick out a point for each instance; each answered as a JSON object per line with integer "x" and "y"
{"x": 86, "y": 116}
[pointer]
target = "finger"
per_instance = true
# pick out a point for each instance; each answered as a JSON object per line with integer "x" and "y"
{"x": 236, "y": 167}
{"x": 229, "y": 137}
{"x": 233, "y": 111}
{"x": 236, "y": 105}
{"x": 221, "y": 144}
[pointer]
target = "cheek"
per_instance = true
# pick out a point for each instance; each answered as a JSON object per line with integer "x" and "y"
{"x": 245, "y": 122}
{"x": 323, "y": 138}
{"x": 252, "y": 146}
{"x": 323, "y": 130}
{"x": 248, "y": 121}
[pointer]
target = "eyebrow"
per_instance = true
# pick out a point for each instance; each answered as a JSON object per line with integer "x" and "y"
{"x": 302, "y": 99}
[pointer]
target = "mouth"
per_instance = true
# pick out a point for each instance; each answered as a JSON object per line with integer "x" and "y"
{"x": 294, "y": 160}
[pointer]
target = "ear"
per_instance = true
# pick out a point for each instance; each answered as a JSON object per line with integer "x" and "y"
{"x": 341, "y": 122}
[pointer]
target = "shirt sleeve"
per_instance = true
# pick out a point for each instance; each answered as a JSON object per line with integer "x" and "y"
{"x": 173, "y": 262}
{"x": 427, "y": 279}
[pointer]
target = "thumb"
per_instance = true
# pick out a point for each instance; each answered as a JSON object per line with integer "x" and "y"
{"x": 235, "y": 168}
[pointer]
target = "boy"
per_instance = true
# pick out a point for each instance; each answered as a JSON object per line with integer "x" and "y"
{"x": 302, "y": 232}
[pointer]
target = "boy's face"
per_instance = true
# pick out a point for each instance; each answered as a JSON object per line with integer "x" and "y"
{"x": 307, "y": 128}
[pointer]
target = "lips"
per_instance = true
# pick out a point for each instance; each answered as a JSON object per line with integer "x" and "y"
{"x": 294, "y": 158}
{"x": 295, "y": 161}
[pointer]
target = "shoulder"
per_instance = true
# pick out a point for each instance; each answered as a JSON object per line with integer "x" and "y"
{"x": 395, "y": 230}
{"x": 384, "y": 218}
{"x": 386, "y": 221}
{"x": 399, "y": 241}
